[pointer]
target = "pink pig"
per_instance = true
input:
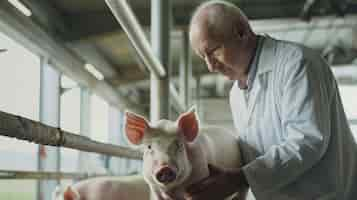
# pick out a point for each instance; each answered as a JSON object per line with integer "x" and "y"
{"x": 105, "y": 188}
{"x": 177, "y": 154}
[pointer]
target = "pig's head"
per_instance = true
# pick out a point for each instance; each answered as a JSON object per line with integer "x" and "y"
{"x": 165, "y": 144}
{"x": 65, "y": 193}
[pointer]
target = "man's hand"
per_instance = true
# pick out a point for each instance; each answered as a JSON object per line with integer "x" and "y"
{"x": 220, "y": 184}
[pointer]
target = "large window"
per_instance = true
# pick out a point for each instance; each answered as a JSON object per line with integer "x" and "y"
{"x": 99, "y": 131}
{"x": 99, "y": 119}
{"x": 19, "y": 89}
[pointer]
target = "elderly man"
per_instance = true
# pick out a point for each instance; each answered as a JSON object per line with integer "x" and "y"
{"x": 294, "y": 136}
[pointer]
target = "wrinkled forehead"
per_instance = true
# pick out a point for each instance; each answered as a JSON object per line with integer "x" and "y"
{"x": 198, "y": 32}
{"x": 201, "y": 40}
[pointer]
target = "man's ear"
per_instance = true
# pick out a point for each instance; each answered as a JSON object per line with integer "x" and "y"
{"x": 135, "y": 127}
{"x": 188, "y": 124}
{"x": 71, "y": 194}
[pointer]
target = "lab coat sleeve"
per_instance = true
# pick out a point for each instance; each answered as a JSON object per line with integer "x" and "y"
{"x": 304, "y": 108}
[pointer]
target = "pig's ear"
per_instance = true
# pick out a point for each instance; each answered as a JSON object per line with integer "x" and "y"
{"x": 135, "y": 127}
{"x": 188, "y": 124}
{"x": 70, "y": 194}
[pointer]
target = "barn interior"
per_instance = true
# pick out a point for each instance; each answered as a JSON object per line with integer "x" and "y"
{"x": 135, "y": 55}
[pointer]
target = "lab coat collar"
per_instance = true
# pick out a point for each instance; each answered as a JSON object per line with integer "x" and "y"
{"x": 265, "y": 63}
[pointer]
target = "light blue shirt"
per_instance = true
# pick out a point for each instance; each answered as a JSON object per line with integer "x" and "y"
{"x": 253, "y": 64}
{"x": 252, "y": 69}
{"x": 293, "y": 133}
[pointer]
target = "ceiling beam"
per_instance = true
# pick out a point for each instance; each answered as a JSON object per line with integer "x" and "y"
{"x": 91, "y": 55}
{"x": 295, "y": 24}
{"x": 44, "y": 14}
{"x": 86, "y": 25}
{"x": 48, "y": 17}
{"x": 289, "y": 29}
{"x": 23, "y": 30}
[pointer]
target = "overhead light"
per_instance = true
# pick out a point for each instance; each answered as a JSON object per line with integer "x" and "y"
{"x": 21, "y": 7}
{"x": 94, "y": 71}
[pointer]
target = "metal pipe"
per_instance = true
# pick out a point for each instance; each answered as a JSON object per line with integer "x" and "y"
{"x": 129, "y": 23}
{"x": 26, "y": 129}
{"x": 14, "y": 174}
{"x": 185, "y": 66}
{"x": 160, "y": 42}
{"x": 124, "y": 15}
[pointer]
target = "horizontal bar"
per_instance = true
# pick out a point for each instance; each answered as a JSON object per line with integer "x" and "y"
{"x": 15, "y": 174}
{"x": 32, "y": 131}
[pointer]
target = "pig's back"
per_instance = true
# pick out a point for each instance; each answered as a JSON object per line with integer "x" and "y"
{"x": 221, "y": 145}
{"x": 114, "y": 188}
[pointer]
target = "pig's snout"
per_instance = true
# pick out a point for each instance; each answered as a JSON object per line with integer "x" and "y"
{"x": 166, "y": 175}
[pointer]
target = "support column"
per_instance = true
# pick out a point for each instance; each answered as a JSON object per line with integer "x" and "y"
{"x": 49, "y": 157}
{"x": 160, "y": 40}
{"x": 85, "y": 128}
{"x": 185, "y": 69}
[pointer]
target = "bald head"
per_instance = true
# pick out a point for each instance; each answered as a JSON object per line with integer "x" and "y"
{"x": 218, "y": 20}
{"x": 221, "y": 35}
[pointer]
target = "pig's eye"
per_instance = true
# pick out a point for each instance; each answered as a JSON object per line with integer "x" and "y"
{"x": 149, "y": 149}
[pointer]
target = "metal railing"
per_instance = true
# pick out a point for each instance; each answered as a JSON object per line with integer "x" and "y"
{"x": 32, "y": 131}
{"x": 16, "y": 174}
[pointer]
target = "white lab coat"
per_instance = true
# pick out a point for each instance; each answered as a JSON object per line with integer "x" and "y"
{"x": 294, "y": 135}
